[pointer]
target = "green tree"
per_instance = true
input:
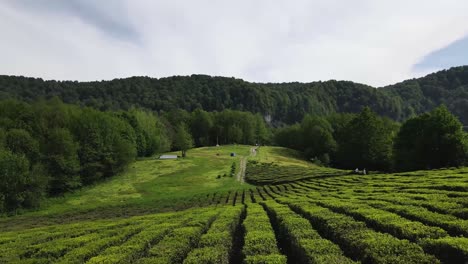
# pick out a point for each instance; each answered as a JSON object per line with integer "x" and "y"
{"x": 262, "y": 133}
{"x": 107, "y": 144}
{"x": 18, "y": 186}
{"x": 318, "y": 141}
{"x": 365, "y": 143}
{"x": 183, "y": 140}
{"x": 200, "y": 126}
{"x": 19, "y": 141}
{"x": 61, "y": 160}
{"x": 289, "y": 137}
{"x": 2, "y": 138}
{"x": 431, "y": 140}
{"x": 151, "y": 134}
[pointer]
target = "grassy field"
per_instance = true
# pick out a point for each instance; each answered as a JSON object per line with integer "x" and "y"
{"x": 148, "y": 185}
{"x": 153, "y": 181}
{"x": 416, "y": 217}
{"x": 274, "y": 165}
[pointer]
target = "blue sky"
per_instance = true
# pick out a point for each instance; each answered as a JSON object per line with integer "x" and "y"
{"x": 454, "y": 54}
{"x": 372, "y": 42}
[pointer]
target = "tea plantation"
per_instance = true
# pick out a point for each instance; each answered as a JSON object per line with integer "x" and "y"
{"x": 326, "y": 216}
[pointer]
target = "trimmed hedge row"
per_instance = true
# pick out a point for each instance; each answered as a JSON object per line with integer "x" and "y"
{"x": 437, "y": 204}
{"x": 357, "y": 240}
{"x": 175, "y": 246}
{"x": 260, "y": 238}
{"x": 452, "y": 224}
{"x": 136, "y": 246}
{"x": 216, "y": 245}
{"x": 120, "y": 241}
{"x": 301, "y": 241}
{"x": 445, "y": 248}
{"x": 448, "y": 249}
{"x": 384, "y": 221}
{"x": 51, "y": 245}
{"x": 82, "y": 254}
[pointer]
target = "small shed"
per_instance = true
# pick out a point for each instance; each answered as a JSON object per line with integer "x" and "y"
{"x": 165, "y": 157}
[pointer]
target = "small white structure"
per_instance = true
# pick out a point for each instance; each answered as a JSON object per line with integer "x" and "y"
{"x": 164, "y": 157}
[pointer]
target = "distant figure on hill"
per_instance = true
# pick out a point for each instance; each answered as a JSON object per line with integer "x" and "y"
{"x": 364, "y": 171}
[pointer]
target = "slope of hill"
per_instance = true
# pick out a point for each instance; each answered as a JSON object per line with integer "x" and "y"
{"x": 449, "y": 87}
{"x": 148, "y": 185}
{"x": 417, "y": 217}
{"x": 282, "y": 102}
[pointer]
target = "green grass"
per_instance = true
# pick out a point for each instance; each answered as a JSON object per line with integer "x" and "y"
{"x": 274, "y": 165}
{"x": 148, "y": 185}
{"x": 151, "y": 180}
{"x": 281, "y": 156}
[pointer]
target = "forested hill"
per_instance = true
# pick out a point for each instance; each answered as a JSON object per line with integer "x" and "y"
{"x": 449, "y": 87}
{"x": 283, "y": 102}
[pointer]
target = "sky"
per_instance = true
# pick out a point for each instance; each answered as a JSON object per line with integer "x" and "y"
{"x": 367, "y": 41}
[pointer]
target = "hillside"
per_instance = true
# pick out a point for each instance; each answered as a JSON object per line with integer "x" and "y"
{"x": 148, "y": 185}
{"x": 280, "y": 102}
{"x": 333, "y": 219}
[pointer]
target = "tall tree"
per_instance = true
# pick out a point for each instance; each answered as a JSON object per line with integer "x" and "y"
{"x": 318, "y": 138}
{"x": 19, "y": 141}
{"x": 431, "y": 140}
{"x": 61, "y": 160}
{"x": 18, "y": 186}
{"x": 183, "y": 140}
{"x": 365, "y": 143}
{"x": 200, "y": 127}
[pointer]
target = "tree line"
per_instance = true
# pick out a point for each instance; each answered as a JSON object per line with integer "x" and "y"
{"x": 366, "y": 140}
{"x": 286, "y": 103}
{"x": 48, "y": 147}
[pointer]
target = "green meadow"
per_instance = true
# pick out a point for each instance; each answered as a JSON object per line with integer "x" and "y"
{"x": 148, "y": 185}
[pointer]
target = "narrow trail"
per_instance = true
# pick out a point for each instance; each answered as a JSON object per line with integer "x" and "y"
{"x": 243, "y": 164}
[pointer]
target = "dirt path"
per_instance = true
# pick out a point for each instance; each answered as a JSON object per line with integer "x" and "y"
{"x": 243, "y": 164}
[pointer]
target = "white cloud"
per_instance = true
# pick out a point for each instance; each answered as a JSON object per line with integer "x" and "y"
{"x": 373, "y": 42}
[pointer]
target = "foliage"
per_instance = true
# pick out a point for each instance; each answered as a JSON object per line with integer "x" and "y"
{"x": 61, "y": 158}
{"x": 20, "y": 184}
{"x": 73, "y": 146}
{"x": 272, "y": 173}
{"x": 306, "y": 245}
{"x": 65, "y": 146}
{"x": 216, "y": 246}
{"x": 361, "y": 242}
{"x": 318, "y": 142}
{"x": 366, "y": 143}
{"x": 259, "y": 238}
{"x": 432, "y": 140}
{"x": 201, "y": 124}
{"x": 183, "y": 140}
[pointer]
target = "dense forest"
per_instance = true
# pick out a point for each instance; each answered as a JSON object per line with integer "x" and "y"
{"x": 277, "y": 102}
{"x": 367, "y": 141}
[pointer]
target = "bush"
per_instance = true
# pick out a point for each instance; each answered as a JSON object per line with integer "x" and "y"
{"x": 361, "y": 242}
